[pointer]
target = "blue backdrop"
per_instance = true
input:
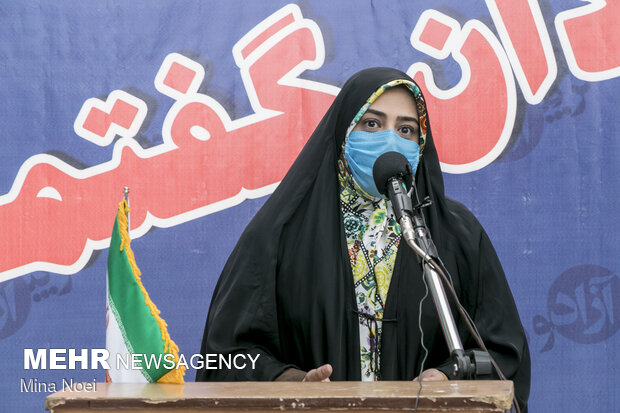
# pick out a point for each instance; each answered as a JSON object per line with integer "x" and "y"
{"x": 536, "y": 82}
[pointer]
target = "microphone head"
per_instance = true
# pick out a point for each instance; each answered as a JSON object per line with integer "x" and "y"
{"x": 390, "y": 165}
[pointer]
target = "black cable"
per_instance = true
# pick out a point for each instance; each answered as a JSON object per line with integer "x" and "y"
{"x": 415, "y": 410}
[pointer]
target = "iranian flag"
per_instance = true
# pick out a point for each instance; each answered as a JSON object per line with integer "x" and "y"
{"x": 134, "y": 329}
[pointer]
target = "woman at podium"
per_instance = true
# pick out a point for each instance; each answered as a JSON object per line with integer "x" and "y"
{"x": 321, "y": 285}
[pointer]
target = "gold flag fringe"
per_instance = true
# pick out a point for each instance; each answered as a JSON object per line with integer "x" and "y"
{"x": 175, "y": 375}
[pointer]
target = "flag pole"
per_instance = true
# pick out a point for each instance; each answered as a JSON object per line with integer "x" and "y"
{"x": 126, "y": 196}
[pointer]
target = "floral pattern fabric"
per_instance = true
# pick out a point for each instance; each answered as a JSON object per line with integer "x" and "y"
{"x": 373, "y": 236}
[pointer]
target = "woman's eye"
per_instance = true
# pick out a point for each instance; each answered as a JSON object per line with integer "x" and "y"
{"x": 372, "y": 123}
{"x": 408, "y": 132}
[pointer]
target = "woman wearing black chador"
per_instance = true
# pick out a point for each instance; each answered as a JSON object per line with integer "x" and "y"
{"x": 321, "y": 285}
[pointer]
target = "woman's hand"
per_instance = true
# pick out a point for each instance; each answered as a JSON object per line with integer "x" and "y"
{"x": 319, "y": 374}
{"x": 431, "y": 375}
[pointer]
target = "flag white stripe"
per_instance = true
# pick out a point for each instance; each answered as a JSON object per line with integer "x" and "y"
{"x": 115, "y": 344}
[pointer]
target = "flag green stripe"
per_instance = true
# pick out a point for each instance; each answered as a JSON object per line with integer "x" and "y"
{"x": 139, "y": 328}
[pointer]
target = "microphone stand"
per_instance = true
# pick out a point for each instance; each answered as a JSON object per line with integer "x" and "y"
{"x": 467, "y": 364}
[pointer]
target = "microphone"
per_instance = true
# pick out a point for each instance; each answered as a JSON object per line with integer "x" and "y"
{"x": 393, "y": 177}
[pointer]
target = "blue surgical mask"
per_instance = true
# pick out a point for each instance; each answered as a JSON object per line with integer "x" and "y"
{"x": 363, "y": 148}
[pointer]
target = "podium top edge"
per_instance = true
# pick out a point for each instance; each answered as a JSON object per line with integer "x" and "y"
{"x": 386, "y": 395}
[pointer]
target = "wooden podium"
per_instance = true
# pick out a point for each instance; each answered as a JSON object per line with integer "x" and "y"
{"x": 457, "y": 396}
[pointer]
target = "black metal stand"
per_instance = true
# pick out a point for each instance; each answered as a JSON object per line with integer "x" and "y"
{"x": 467, "y": 364}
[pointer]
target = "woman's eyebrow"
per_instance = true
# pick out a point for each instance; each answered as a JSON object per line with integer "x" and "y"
{"x": 408, "y": 119}
{"x": 376, "y": 113}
